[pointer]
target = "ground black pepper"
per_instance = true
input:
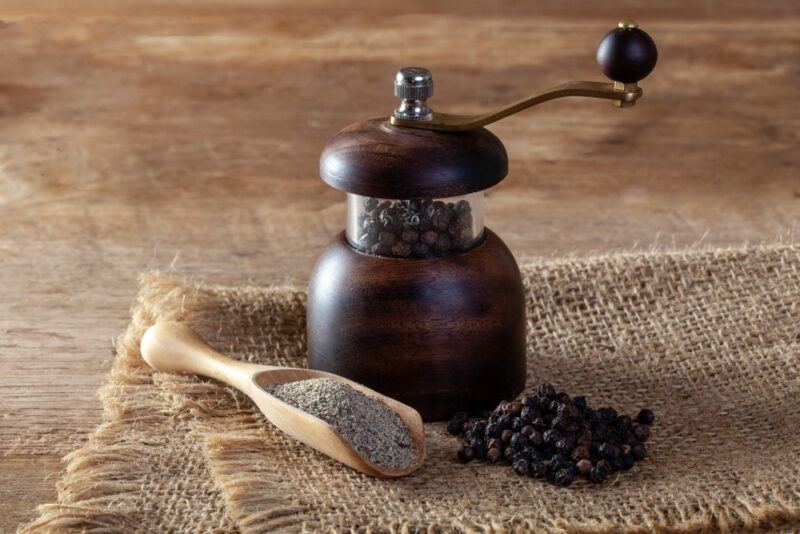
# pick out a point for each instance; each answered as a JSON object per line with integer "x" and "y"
{"x": 414, "y": 228}
{"x": 550, "y": 435}
{"x": 370, "y": 426}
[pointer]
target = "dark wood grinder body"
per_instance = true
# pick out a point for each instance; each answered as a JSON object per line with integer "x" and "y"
{"x": 442, "y": 334}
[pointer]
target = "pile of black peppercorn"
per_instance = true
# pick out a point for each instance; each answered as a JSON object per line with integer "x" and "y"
{"x": 552, "y": 436}
{"x": 414, "y": 228}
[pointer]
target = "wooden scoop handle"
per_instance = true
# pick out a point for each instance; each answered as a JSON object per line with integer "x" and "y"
{"x": 173, "y": 347}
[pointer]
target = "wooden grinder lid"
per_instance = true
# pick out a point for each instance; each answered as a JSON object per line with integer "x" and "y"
{"x": 377, "y": 159}
{"x": 373, "y": 158}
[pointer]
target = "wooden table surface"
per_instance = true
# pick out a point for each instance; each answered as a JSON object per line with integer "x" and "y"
{"x": 149, "y": 135}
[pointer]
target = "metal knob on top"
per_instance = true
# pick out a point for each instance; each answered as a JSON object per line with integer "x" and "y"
{"x": 413, "y": 86}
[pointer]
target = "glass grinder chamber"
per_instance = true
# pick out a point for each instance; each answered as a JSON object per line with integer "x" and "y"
{"x": 416, "y": 298}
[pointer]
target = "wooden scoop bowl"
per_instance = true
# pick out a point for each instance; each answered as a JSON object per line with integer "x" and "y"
{"x": 173, "y": 347}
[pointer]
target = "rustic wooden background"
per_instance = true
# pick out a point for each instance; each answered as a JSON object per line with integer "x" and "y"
{"x": 141, "y": 135}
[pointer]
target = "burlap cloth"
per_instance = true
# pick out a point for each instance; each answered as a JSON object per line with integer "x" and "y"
{"x": 708, "y": 340}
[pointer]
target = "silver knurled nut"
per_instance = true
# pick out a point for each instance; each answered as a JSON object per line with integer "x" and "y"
{"x": 411, "y": 92}
{"x": 413, "y": 83}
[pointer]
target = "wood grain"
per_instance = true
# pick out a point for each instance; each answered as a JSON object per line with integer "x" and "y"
{"x": 376, "y": 159}
{"x": 441, "y": 335}
{"x": 140, "y": 135}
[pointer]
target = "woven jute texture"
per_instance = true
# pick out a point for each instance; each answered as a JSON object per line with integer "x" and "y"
{"x": 709, "y": 340}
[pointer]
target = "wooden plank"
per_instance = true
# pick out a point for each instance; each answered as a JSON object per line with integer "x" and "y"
{"x": 155, "y": 135}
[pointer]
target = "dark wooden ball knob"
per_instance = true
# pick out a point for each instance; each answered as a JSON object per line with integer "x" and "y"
{"x": 627, "y": 54}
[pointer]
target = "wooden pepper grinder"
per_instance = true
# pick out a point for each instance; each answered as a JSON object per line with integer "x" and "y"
{"x": 416, "y": 298}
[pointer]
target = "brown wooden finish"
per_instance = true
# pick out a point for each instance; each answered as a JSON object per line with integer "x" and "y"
{"x": 149, "y": 134}
{"x": 440, "y": 335}
{"x": 375, "y": 159}
{"x": 175, "y": 348}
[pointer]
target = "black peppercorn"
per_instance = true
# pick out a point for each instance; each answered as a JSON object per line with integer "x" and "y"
{"x": 628, "y": 460}
{"x": 455, "y": 427}
{"x": 580, "y": 453}
{"x": 538, "y": 469}
{"x": 528, "y": 414}
{"x": 515, "y": 408}
{"x": 475, "y": 429}
{"x": 600, "y": 432}
{"x": 505, "y": 421}
{"x": 518, "y": 440}
{"x": 558, "y": 461}
{"x": 567, "y": 411}
{"x": 546, "y": 390}
{"x": 421, "y": 250}
{"x": 551, "y": 436}
{"x": 493, "y": 455}
{"x": 466, "y": 454}
{"x": 534, "y": 438}
{"x": 641, "y": 432}
{"x": 379, "y": 249}
{"x": 441, "y": 218}
{"x": 442, "y": 243}
{"x": 521, "y": 466}
{"x": 584, "y": 466}
{"x": 616, "y": 463}
{"x": 401, "y": 249}
{"x": 493, "y": 430}
{"x": 646, "y": 417}
{"x": 505, "y": 435}
{"x": 639, "y": 451}
{"x": 508, "y": 453}
{"x": 517, "y": 424}
{"x": 530, "y": 401}
{"x": 579, "y": 402}
{"x": 539, "y": 422}
{"x": 597, "y": 476}
{"x": 563, "y": 477}
{"x": 607, "y": 414}
{"x": 410, "y": 236}
{"x": 560, "y": 422}
{"x": 429, "y": 238}
{"x": 605, "y": 465}
{"x": 479, "y": 447}
{"x": 608, "y": 450}
{"x": 564, "y": 445}
{"x": 370, "y": 204}
{"x": 494, "y": 443}
{"x": 532, "y": 455}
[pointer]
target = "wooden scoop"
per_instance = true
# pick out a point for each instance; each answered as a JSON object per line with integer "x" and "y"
{"x": 175, "y": 348}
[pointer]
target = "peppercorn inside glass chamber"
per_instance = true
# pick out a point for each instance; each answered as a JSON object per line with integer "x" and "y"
{"x": 415, "y": 228}
{"x": 416, "y": 298}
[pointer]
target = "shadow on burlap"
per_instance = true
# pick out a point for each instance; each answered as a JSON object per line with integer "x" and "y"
{"x": 708, "y": 340}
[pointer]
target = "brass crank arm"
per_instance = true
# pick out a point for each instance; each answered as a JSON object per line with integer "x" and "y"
{"x": 624, "y": 95}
